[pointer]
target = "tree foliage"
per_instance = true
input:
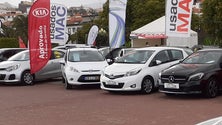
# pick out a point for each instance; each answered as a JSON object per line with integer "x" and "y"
{"x": 212, "y": 19}
{"x": 20, "y": 24}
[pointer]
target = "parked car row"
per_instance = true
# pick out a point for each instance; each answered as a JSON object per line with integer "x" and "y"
{"x": 171, "y": 70}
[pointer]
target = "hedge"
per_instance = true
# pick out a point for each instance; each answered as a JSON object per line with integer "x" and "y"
{"x": 9, "y": 43}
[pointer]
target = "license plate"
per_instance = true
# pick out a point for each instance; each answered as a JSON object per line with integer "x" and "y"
{"x": 171, "y": 85}
{"x": 111, "y": 83}
{"x": 92, "y": 78}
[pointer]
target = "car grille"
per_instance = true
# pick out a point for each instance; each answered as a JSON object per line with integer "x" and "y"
{"x": 176, "y": 79}
{"x": 113, "y": 76}
{"x": 89, "y": 78}
{"x": 120, "y": 85}
{"x": 90, "y": 71}
{"x": 2, "y": 76}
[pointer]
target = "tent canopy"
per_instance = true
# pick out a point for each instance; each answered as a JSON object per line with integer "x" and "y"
{"x": 155, "y": 29}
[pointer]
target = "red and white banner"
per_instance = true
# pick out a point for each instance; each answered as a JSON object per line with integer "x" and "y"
{"x": 39, "y": 34}
{"x": 93, "y": 32}
{"x": 178, "y": 17}
{"x": 21, "y": 43}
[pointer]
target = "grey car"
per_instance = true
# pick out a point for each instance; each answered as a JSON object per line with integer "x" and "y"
{"x": 17, "y": 68}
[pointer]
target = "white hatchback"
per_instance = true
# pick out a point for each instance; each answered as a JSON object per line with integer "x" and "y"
{"x": 139, "y": 70}
{"x": 82, "y": 66}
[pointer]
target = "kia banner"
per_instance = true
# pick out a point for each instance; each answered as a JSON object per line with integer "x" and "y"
{"x": 39, "y": 34}
{"x": 178, "y": 17}
{"x": 58, "y": 14}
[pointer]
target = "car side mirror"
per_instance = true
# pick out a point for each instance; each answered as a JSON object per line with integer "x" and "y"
{"x": 158, "y": 62}
{"x": 62, "y": 62}
{"x": 155, "y": 62}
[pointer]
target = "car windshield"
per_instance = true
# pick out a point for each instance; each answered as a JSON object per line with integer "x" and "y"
{"x": 22, "y": 56}
{"x": 204, "y": 57}
{"x": 85, "y": 56}
{"x": 137, "y": 57}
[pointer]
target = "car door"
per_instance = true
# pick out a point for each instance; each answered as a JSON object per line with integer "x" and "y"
{"x": 53, "y": 68}
{"x": 175, "y": 56}
{"x": 159, "y": 62}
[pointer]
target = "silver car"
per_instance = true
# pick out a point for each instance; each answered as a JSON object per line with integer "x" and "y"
{"x": 17, "y": 68}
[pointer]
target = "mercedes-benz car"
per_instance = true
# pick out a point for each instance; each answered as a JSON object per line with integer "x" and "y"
{"x": 139, "y": 69}
{"x": 199, "y": 73}
{"x": 17, "y": 68}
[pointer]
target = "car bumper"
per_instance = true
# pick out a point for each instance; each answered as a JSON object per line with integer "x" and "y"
{"x": 9, "y": 77}
{"x": 82, "y": 79}
{"x": 131, "y": 83}
{"x": 192, "y": 87}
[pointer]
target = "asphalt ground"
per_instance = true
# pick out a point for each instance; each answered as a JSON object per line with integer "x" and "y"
{"x": 48, "y": 103}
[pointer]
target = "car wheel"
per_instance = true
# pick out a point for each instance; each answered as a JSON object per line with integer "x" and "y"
{"x": 27, "y": 78}
{"x": 211, "y": 89}
{"x": 67, "y": 85}
{"x": 147, "y": 85}
{"x": 63, "y": 79}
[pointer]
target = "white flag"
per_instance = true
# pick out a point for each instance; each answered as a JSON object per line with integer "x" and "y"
{"x": 117, "y": 15}
{"x": 178, "y": 17}
{"x": 93, "y": 32}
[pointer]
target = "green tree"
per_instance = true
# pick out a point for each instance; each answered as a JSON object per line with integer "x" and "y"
{"x": 212, "y": 19}
{"x": 20, "y": 24}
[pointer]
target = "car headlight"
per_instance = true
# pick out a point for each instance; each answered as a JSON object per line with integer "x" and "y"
{"x": 133, "y": 72}
{"x": 11, "y": 68}
{"x": 73, "y": 69}
{"x": 159, "y": 75}
{"x": 196, "y": 77}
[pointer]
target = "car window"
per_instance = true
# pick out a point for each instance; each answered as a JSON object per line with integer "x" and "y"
{"x": 162, "y": 56}
{"x": 22, "y": 56}
{"x": 203, "y": 58}
{"x": 85, "y": 56}
{"x": 137, "y": 57}
{"x": 57, "y": 54}
{"x": 176, "y": 54}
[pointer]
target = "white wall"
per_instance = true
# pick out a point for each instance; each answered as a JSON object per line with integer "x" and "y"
{"x": 183, "y": 41}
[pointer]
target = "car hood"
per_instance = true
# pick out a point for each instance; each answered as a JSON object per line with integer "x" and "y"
{"x": 119, "y": 68}
{"x": 83, "y": 66}
{"x": 187, "y": 69}
{"x": 6, "y": 64}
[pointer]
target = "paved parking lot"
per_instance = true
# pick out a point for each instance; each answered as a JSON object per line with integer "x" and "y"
{"x": 48, "y": 103}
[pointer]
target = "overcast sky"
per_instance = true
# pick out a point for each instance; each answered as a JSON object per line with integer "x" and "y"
{"x": 67, "y": 3}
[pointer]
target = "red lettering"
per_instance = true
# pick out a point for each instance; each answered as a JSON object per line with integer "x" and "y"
{"x": 184, "y": 4}
{"x": 185, "y": 19}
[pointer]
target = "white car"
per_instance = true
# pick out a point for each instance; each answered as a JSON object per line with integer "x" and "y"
{"x": 213, "y": 121}
{"x": 17, "y": 68}
{"x": 139, "y": 70}
{"x": 82, "y": 66}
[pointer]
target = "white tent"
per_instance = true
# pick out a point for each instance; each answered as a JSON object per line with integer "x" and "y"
{"x": 154, "y": 34}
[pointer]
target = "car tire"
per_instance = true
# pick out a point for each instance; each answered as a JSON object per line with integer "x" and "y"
{"x": 67, "y": 85}
{"x": 147, "y": 85}
{"x": 211, "y": 88}
{"x": 63, "y": 79}
{"x": 27, "y": 78}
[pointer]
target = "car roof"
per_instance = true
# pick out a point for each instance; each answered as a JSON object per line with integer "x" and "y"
{"x": 158, "y": 48}
{"x": 210, "y": 49}
{"x": 13, "y": 48}
{"x": 78, "y": 49}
